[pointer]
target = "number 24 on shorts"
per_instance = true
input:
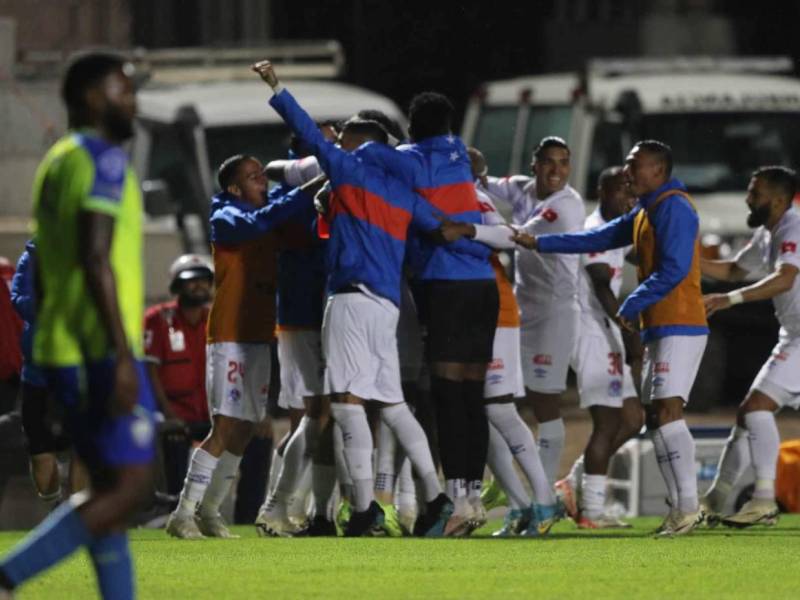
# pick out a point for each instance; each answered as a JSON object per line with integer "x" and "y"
{"x": 235, "y": 367}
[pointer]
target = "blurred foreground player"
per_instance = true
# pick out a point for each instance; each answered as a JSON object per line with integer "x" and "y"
{"x": 88, "y": 212}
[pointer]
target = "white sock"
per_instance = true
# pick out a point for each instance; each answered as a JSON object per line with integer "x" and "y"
{"x": 386, "y": 451}
{"x": 501, "y": 463}
{"x": 201, "y": 470}
{"x": 765, "y": 442}
{"x": 679, "y": 445}
{"x": 575, "y": 475}
{"x": 551, "y": 443}
{"x": 342, "y": 472}
{"x": 411, "y": 437}
{"x": 406, "y": 494}
{"x": 733, "y": 462}
{"x": 474, "y": 488}
{"x": 293, "y": 466}
{"x": 220, "y": 486}
{"x": 274, "y": 470}
{"x": 520, "y": 440}
{"x": 593, "y": 499}
{"x": 323, "y": 482}
{"x": 52, "y": 499}
{"x": 357, "y": 440}
{"x": 298, "y": 504}
{"x": 663, "y": 465}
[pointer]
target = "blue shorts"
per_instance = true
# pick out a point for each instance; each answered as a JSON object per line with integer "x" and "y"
{"x": 101, "y": 439}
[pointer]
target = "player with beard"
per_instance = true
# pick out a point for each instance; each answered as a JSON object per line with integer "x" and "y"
{"x": 175, "y": 344}
{"x": 88, "y": 231}
{"x": 773, "y": 248}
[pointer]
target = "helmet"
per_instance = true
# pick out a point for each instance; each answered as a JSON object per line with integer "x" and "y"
{"x": 189, "y": 266}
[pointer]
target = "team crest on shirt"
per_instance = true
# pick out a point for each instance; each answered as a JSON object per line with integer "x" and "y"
{"x": 788, "y": 248}
{"x": 550, "y": 215}
{"x": 111, "y": 164}
{"x": 615, "y": 388}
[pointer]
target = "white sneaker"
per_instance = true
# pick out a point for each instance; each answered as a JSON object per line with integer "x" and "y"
{"x": 185, "y": 528}
{"x": 274, "y": 525}
{"x": 459, "y": 523}
{"x": 478, "y": 518}
{"x": 214, "y": 526}
{"x": 756, "y": 511}
{"x": 680, "y": 523}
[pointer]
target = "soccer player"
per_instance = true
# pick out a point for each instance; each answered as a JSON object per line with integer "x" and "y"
{"x": 41, "y": 418}
{"x": 461, "y": 300}
{"x": 546, "y": 286}
{"x": 88, "y": 215}
{"x": 241, "y": 326}
{"x": 774, "y": 249}
{"x": 369, "y": 215}
{"x": 605, "y": 383}
{"x": 668, "y": 304}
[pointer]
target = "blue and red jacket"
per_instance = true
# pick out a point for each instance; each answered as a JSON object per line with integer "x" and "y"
{"x": 438, "y": 168}
{"x": 370, "y": 211}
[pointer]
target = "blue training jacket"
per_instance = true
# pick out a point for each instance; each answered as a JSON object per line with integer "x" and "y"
{"x": 676, "y": 225}
{"x": 370, "y": 210}
{"x": 23, "y": 297}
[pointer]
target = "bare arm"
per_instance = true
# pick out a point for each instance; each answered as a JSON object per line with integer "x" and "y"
{"x": 600, "y": 276}
{"x": 96, "y": 231}
{"x": 723, "y": 270}
{"x": 778, "y": 282}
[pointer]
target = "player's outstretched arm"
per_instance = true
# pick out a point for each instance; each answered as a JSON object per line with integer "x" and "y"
{"x": 96, "y": 232}
{"x": 723, "y": 270}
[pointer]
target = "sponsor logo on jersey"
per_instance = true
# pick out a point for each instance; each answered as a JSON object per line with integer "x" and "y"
{"x": 662, "y": 367}
{"x": 543, "y": 359}
{"x": 788, "y": 247}
{"x": 615, "y": 388}
{"x": 496, "y": 364}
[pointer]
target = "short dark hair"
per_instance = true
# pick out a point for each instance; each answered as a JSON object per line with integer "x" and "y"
{"x": 371, "y": 130}
{"x": 84, "y": 71}
{"x": 430, "y": 114}
{"x": 607, "y": 175}
{"x": 229, "y": 168}
{"x": 781, "y": 179}
{"x": 660, "y": 150}
{"x": 391, "y": 126}
{"x": 551, "y": 141}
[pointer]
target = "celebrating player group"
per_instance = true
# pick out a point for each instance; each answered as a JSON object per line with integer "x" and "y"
{"x": 377, "y": 261}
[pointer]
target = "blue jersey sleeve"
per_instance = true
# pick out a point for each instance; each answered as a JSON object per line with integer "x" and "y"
{"x": 333, "y": 160}
{"x": 110, "y": 164}
{"x": 23, "y": 292}
{"x": 231, "y": 224}
{"x": 676, "y": 225}
{"x": 614, "y": 234}
{"x": 403, "y": 165}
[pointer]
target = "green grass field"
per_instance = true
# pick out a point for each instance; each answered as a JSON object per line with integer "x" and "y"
{"x": 755, "y": 563}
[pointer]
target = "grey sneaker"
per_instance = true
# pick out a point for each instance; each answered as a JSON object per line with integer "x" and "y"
{"x": 182, "y": 527}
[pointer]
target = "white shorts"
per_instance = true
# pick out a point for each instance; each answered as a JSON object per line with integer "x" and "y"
{"x": 300, "y": 358}
{"x": 409, "y": 338}
{"x": 546, "y": 348}
{"x": 599, "y": 363}
{"x": 504, "y": 374}
{"x": 237, "y": 380}
{"x": 779, "y": 378}
{"x": 670, "y": 366}
{"x": 359, "y": 343}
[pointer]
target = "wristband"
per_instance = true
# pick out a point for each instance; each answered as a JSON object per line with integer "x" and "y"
{"x": 735, "y": 297}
